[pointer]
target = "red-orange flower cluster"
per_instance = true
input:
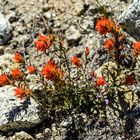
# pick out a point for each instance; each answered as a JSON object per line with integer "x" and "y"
{"x": 104, "y": 25}
{"x": 76, "y": 61}
{"x": 31, "y": 69}
{"x": 18, "y": 57}
{"x": 16, "y": 73}
{"x": 51, "y": 72}
{"x": 4, "y": 80}
{"x": 109, "y": 44}
{"x": 87, "y": 50}
{"x": 136, "y": 48}
{"x": 100, "y": 81}
{"x": 20, "y": 92}
{"x": 44, "y": 42}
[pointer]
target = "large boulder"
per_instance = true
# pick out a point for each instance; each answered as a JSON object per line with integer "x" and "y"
{"x": 17, "y": 114}
{"x": 130, "y": 19}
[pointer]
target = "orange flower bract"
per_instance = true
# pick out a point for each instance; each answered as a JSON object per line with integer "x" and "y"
{"x": 109, "y": 43}
{"x": 92, "y": 73}
{"x": 20, "y": 92}
{"x": 4, "y": 80}
{"x": 31, "y": 69}
{"x": 136, "y": 48}
{"x": 76, "y": 61}
{"x": 51, "y": 72}
{"x": 100, "y": 81}
{"x": 44, "y": 42}
{"x": 16, "y": 73}
{"x": 87, "y": 50}
{"x": 18, "y": 57}
{"x": 104, "y": 25}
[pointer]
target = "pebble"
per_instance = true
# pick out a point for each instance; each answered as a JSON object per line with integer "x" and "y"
{"x": 39, "y": 136}
{"x": 72, "y": 34}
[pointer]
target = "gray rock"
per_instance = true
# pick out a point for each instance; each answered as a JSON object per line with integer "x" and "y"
{"x": 3, "y": 138}
{"x": 47, "y": 133}
{"x": 130, "y": 18}
{"x": 66, "y": 122}
{"x": 22, "y": 136}
{"x": 39, "y": 136}
{"x": 55, "y": 133}
{"x": 16, "y": 113}
{"x": 12, "y": 17}
{"x": 72, "y": 34}
{"x": 10, "y": 133}
{"x": 88, "y": 24}
{"x": 48, "y": 15}
{"x": 64, "y": 26}
{"x": 79, "y": 6}
{"x": 5, "y": 31}
{"x": 1, "y": 7}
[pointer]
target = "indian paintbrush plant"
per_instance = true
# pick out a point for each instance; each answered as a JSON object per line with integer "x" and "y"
{"x": 69, "y": 84}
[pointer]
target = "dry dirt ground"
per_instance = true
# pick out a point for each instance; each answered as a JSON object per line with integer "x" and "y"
{"x": 28, "y": 18}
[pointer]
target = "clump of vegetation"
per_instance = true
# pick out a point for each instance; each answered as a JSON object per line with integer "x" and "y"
{"x": 69, "y": 84}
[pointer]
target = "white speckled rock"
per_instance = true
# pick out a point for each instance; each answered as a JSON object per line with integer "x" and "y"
{"x": 16, "y": 113}
{"x": 22, "y": 136}
{"x": 130, "y": 18}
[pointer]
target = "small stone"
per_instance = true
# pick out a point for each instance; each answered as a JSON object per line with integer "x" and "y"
{"x": 47, "y": 133}
{"x": 72, "y": 34}
{"x": 53, "y": 14}
{"x": 39, "y": 136}
{"x": 64, "y": 26}
{"x": 64, "y": 124}
{"x": 46, "y": 7}
{"x": 91, "y": 35}
{"x": 48, "y": 15}
{"x": 57, "y": 24}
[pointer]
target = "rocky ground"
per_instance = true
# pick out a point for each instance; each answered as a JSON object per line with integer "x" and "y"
{"x": 75, "y": 20}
